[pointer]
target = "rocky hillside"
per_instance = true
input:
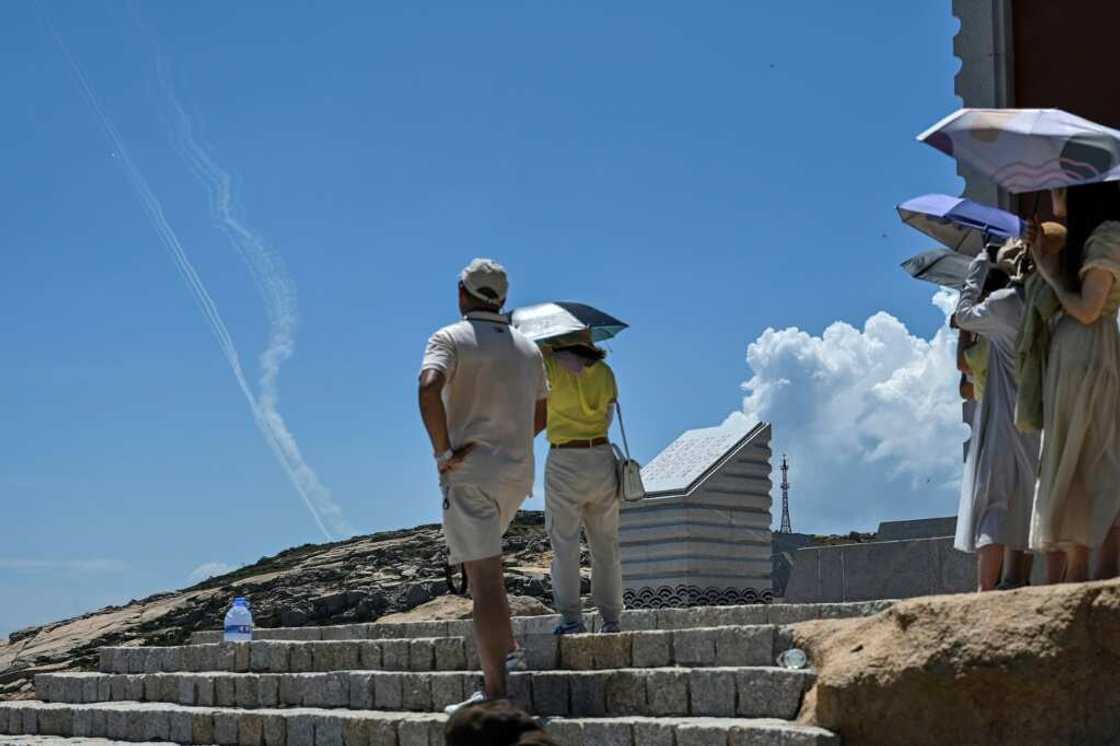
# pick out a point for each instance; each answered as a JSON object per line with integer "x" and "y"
{"x": 357, "y": 580}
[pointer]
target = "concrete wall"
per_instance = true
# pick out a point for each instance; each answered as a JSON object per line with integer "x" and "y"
{"x": 709, "y": 546}
{"x": 881, "y": 569}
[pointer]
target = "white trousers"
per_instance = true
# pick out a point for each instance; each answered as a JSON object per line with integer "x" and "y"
{"x": 580, "y": 488}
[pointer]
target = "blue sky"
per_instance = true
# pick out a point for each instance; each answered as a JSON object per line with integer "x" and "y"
{"x": 705, "y": 172}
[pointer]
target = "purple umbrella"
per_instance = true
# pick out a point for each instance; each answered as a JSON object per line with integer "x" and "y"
{"x": 961, "y": 224}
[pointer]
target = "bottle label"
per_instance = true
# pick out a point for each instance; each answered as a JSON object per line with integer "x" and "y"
{"x": 239, "y": 629}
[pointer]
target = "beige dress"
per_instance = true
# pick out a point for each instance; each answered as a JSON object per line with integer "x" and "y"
{"x": 1078, "y": 494}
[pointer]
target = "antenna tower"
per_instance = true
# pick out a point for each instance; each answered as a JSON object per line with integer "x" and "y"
{"x": 786, "y": 528}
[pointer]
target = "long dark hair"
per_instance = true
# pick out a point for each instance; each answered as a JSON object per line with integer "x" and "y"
{"x": 589, "y": 353}
{"x": 1087, "y": 206}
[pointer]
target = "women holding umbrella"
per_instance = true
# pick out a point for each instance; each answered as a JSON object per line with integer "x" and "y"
{"x": 581, "y": 474}
{"x": 1077, "y": 501}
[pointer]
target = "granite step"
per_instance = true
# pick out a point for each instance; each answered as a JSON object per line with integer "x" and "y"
{"x": 716, "y": 692}
{"x": 64, "y": 741}
{"x": 632, "y": 620}
{"x": 753, "y": 645}
{"x": 146, "y": 722}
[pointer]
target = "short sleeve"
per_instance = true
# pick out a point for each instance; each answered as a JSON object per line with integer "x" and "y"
{"x": 440, "y": 354}
{"x": 542, "y": 379}
{"x": 1102, "y": 250}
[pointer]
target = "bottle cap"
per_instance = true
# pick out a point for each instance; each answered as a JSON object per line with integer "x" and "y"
{"x": 240, "y": 601}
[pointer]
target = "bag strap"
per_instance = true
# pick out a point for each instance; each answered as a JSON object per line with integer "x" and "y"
{"x": 622, "y": 428}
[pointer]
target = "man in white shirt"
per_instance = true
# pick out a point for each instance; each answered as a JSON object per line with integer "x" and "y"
{"x": 483, "y": 397}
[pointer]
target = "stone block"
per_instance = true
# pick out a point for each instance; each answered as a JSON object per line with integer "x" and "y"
{"x": 299, "y": 658}
{"x": 626, "y": 693}
{"x": 225, "y": 691}
{"x": 345, "y": 632}
{"x": 153, "y": 660}
{"x": 519, "y": 690}
{"x": 275, "y": 730}
{"x": 149, "y": 725}
{"x": 706, "y": 734}
{"x": 427, "y": 629}
{"x": 292, "y": 687}
{"x": 762, "y": 734}
{"x": 279, "y": 657}
{"x": 56, "y": 721}
{"x": 361, "y": 691}
{"x": 576, "y": 653}
{"x": 227, "y": 732}
{"x": 179, "y": 726}
{"x": 82, "y": 725}
{"x": 204, "y": 691}
{"x": 202, "y": 726}
{"x": 783, "y": 641}
{"x": 449, "y": 654}
{"x": 171, "y": 659}
{"x": 694, "y": 647}
{"x": 542, "y": 652}
{"x": 667, "y": 693}
{"x": 134, "y": 688}
{"x": 369, "y": 655}
{"x": 118, "y": 659}
{"x": 567, "y": 732}
{"x": 414, "y": 733}
{"x": 44, "y": 687}
{"x": 241, "y": 657}
{"x": 651, "y": 649}
{"x": 269, "y": 691}
{"x": 387, "y": 631}
{"x": 464, "y": 628}
{"x": 744, "y": 646}
{"x": 260, "y": 656}
{"x": 326, "y": 690}
{"x": 793, "y": 613}
{"x": 301, "y": 730}
{"x": 530, "y": 626}
{"x": 105, "y": 689}
{"x": 355, "y": 732}
{"x": 421, "y": 655}
{"x": 447, "y": 689}
{"x": 711, "y": 693}
{"x": 388, "y": 690}
{"x": 248, "y": 691}
{"x": 225, "y": 657}
{"x": 417, "y": 692}
{"x": 135, "y": 661}
{"x": 588, "y": 691}
{"x": 328, "y": 731}
{"x": 608, "y": 733}
{"x": 550, "y": 693}
{"x": 209, "y": 658}
{"x": 612, "y": 651}
{"x": 250, "y": 729}
{"x": 347, "y": 655}
{"x": 116, "y": 724}
{"x": 771, "y": 692}
{"x": 104, "y": 661}
{"x": 187, "y": 691}
{"x": 653, "y": 733}
{"x": 394, "y": 655}
{"x": 638, "y": 620}
{"x": 470, "y": 650}
{"x": 382, "y": 732}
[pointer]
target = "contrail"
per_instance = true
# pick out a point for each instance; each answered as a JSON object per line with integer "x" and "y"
{"x": 271, "y": 278}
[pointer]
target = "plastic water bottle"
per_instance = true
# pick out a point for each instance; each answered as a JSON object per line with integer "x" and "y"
{"x": 239, "y": 621}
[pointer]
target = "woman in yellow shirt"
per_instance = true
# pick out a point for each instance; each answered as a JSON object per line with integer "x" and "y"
{"x": 581, "y": 482}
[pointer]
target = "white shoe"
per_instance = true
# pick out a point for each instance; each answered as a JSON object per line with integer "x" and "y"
{"x": 475, "y": 699}
{"x": 515, "y": 661}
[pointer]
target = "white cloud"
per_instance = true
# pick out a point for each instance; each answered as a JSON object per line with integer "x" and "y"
{"x": 209, "y": 570}
{"x": 93, "y": 566}
{"x": 870, "y": 418}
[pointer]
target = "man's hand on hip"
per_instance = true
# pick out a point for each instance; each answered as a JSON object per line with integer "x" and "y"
{"x": 455, "y": 460}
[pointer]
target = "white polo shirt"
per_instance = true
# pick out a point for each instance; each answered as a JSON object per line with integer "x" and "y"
{"x": 494, "y": 377}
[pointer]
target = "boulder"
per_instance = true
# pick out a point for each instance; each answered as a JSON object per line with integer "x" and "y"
{"x": 447, "y": 608}
{"x": 1032, "y": 666}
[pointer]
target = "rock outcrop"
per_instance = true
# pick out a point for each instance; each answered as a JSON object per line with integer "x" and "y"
{"x": 357, "y": 580}
{"x": 1033, "y": 666}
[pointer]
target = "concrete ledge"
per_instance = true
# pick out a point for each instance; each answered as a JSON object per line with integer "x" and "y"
{"x": 315, "y": 727}
{"x": 883, "y": 569}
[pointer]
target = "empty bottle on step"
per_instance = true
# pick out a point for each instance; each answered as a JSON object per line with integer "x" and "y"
{"x": 239, "y": 621}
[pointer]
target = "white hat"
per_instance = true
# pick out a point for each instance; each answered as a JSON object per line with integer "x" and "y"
{"x": 486, "y": 280}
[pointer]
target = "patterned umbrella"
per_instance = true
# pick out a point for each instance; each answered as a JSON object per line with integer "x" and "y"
{"x": 1028, "y": 150}
{"x": 939, "y": 266}
{"x": 960, "y": 224}
{"x": 547, "y": 321}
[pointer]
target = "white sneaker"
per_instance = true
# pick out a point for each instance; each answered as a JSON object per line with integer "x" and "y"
{"x": 475, "y": 699}
{"x": 515, "y": 661}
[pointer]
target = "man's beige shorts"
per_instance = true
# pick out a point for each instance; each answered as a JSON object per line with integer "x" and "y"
{"x": 475, "y": 518}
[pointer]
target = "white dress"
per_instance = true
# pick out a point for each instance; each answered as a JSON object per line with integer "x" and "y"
{"x": 997, "y": 490}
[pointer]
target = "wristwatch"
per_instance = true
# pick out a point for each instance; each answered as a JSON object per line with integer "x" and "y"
{"x": 443, "y": 458}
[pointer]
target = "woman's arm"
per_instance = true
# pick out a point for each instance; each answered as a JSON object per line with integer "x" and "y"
{"x": 1085, "y": 306}
{"x": 965, "y": 340}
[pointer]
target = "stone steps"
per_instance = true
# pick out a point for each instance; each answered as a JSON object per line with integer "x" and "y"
{"x": 64, "y": 741}
{"x": 633, "y": 620}
{"x": 713, "y": 692}
{"x": 147, "y": 722}
{"x": 754, "y": 645}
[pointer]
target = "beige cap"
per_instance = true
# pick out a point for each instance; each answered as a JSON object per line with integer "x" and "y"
{"x": 486, "y": 280}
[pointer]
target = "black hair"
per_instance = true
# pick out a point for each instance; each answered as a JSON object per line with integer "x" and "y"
{"x": 997, "y": 279}
{"x": 589, "y": 353}
{"x": 495, "y": 723}
{"x": 1087, "y": 206}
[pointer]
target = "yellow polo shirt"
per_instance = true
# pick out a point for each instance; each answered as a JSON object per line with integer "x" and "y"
{"x": 579, "y": 404}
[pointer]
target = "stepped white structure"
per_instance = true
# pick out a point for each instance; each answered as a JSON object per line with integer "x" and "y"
{"x": 703, "y": 676}
{"x": 702, "y": 537}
